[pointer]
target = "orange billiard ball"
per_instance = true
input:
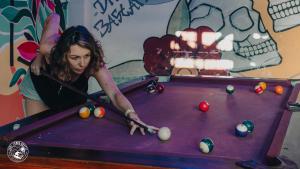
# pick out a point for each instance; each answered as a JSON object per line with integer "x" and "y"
{"x": 99, "y": 112}
{"x": 278, "y": 89}
{"x": 84, "y": 112}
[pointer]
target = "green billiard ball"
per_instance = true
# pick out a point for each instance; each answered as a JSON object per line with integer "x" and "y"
{"x": 206, "y": 145}
{"x": 230, "y": 89}
{"x": 249, "y": 124}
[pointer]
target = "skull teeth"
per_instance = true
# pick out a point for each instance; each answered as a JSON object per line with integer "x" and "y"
{"x": 256, "y": 49}
{"x": 284, "y": 9}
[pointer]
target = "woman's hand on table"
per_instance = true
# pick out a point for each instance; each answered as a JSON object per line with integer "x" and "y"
{"x": 134, "y": 126}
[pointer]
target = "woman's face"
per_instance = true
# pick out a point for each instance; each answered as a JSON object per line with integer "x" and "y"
{"x": 78, "y": 58}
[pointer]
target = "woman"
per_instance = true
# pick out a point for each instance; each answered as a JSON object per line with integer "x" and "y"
{"x": 72, "y": 58}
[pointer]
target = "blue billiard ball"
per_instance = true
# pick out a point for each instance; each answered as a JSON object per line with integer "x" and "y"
{"x": 241, "y": 130}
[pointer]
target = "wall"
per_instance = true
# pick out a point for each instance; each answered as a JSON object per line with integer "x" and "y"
{"x": 21, "y": 25}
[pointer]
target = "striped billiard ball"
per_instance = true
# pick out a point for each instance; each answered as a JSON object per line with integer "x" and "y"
{"x": 241, "y": 130}
{"x": 206, "y": 145}
{"x": 263, "y": 85}
{"x": 258, "y": 89}
{"x": 230, "y": 89}
{"x": 99, "y": 112}
{"x": 84, "y": 112}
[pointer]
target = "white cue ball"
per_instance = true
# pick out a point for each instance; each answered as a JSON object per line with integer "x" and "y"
{"x": 16, "y": 126}
{"x": 164, "y": 133}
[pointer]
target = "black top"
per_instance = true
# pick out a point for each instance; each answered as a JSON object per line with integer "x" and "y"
{"x": 57, "y": 97}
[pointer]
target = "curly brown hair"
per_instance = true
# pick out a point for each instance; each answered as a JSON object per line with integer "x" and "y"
{"x": 75, "y": 35}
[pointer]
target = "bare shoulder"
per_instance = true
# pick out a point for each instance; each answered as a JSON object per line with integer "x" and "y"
{"x": 101, "y": 72}
{"x": 103, "y": 76}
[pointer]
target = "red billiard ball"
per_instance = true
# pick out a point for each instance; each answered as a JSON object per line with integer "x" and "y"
{"x": 258, "y": 89}
{"x": 204, "y": 106}
{"x": 160, "y": 88}
{"x": 99, "y": 112}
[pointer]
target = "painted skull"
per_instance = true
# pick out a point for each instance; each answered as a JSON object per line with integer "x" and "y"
{"x": 284, "y": 13}
{"x": 253, "y": 47}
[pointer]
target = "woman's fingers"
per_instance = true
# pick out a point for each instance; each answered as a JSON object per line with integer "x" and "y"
{"x": 35, "y": 69}
{"x": 142, "y": 131}
{"x": 133, "y": 128}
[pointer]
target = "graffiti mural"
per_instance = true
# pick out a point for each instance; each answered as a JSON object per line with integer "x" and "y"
{"x": 20, "y": 31}
{"x": 242, "y": 37}
{"x": 241, "y": 33}
{"x": 284, "y": 13}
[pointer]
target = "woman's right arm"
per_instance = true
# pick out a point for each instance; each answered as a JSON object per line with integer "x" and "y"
{"x": 50, "y": 35}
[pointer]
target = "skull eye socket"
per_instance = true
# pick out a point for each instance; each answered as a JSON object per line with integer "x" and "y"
{"x": 207, "y": 15}
{"x": 241, "y": 19}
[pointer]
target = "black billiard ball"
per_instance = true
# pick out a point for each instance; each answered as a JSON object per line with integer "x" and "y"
{"x": 153, "y": 82}
{"x": 151, "y": 88}
{"x": 91, "y": 107}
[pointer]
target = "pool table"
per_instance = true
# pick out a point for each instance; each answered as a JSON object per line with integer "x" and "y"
{"x": 65, "y": 135}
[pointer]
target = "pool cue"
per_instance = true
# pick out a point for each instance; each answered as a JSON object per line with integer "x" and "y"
{"x": 101, "y": 103}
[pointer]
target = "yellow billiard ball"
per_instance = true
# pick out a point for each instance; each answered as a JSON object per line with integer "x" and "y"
{"x": 263, "y": 85}
{"x": 84, "y": 112}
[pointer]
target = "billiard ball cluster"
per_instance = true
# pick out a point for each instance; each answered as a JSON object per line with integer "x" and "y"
{"x": 85, "y": 111}
{"x": 206, "y": 145}
{"x": 262, "y": 86}
{"x": 244, "y": 128}
{"x": 154, "y": 87}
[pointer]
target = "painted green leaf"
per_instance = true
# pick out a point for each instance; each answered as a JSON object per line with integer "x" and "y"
{"x": 42, "y": 15}
{"x": 59, "y": 10}
{"x": 30, "y": 4}
{"x": 15, "y": 15}
{"x": 32, "y": 32}
{"x": 5, "y": 3}
{"x": 17, "y": 76}
{"x": 179, "y": 19}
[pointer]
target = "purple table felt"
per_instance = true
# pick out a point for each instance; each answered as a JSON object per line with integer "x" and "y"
{"x": 66, "y": 135}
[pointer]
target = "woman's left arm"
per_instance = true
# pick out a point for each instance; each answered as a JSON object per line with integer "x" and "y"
{"x": 105, "y": 80}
